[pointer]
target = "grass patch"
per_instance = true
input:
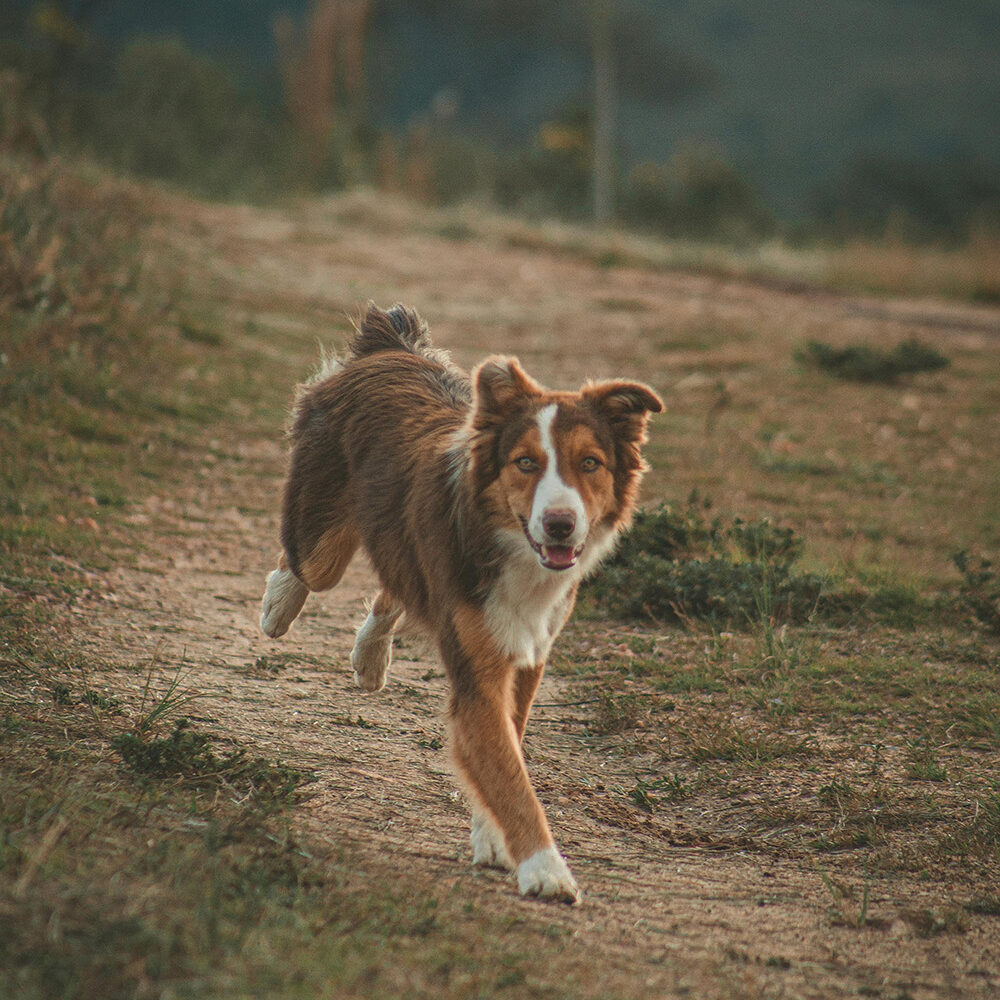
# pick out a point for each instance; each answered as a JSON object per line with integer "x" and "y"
{"x": 924, "y": 764}
{"x": 357, "y": 722}
{"x": 676, "y": 564}
{"x": 189, "y": 755}
{"x": 129, "y": 892}
{"x": 931, "y": 922}
{"x": 199, "y": 333}
{"x": 864, "y": 363}
{"x": 857, "y": 815}
{"x": 179, "y": 874}
{"x": 622, "y": 712}
{"x": 978, "y": 835}
{"x": 980, "y": 589}
{"x": 848, "y": 908}
{"x": 814, "y": 742}
{"x": 710, "y": 738}
{"x": 858, "y": 729}
{"x": 988, "y": 906}
{"x": 648, "y": 795}
{"x": 87, "y": 315}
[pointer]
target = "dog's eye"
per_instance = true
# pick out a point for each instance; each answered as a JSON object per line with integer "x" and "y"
{"x": 590, "y": 464}
{"x": 526, "y": 463}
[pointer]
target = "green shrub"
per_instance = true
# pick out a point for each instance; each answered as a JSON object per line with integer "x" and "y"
{"x": 676, "y": 564}
{"x": 68, "y": 283}
{"x": 180, "y": 117}
{"x": 980, "y": 588}
{"x": 65, "y": 242}
{"x": 540, "y": 181}
{"x": 916, "y": 199}
{"x": 183, "y": 752}
{"x": 697, "y": 193}
{"x": 461, "y": 168}
{"x": 188, "y": 754}
{"x": 864, "y": 363}
{"x": 554, "y": 174}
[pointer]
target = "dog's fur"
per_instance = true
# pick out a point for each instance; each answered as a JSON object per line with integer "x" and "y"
{"x": 482, "y": 503}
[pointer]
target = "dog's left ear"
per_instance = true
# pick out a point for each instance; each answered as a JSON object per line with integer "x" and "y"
{"x": 500, "y": 385}
{"x": 626, "y": 404}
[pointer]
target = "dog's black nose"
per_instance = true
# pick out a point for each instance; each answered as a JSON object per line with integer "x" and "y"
{"x": 559, "y": 524}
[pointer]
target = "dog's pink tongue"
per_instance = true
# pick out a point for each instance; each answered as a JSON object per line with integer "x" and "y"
{"x": 559, "y": 556}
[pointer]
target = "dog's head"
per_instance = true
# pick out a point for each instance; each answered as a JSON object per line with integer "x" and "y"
{"x": 561, "y": 467}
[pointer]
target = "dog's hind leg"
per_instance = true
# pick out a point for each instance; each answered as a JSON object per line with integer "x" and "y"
{"x": 328, "y": 558}
{"x": 372, "y": 652}
{"x": 284, "y": 596}
{"x": 322, "y": 569}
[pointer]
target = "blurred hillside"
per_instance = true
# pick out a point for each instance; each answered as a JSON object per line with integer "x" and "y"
{"x": 848, "y": 114}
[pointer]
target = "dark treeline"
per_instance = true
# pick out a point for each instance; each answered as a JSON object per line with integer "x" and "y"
{"x": 655, "y": 114}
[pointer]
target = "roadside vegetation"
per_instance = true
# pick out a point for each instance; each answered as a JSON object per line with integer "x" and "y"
{"x": 865, "y": 363}
{"x": 848, "y": 704}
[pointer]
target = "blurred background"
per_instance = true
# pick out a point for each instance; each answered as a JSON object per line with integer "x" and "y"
{"x": 714, "y": 120}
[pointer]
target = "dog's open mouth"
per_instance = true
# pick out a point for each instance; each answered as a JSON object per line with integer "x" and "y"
{"x": 555, "y": 557}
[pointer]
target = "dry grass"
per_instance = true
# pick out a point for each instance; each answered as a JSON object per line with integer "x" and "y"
{"x": 883, "y": 267}
{"x": 967, "y": 272}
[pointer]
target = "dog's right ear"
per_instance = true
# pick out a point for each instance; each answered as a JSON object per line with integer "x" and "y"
{"x": 501, "y": 385}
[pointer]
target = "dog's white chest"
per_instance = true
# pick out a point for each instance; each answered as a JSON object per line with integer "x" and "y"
{"x": 527, "y": 608}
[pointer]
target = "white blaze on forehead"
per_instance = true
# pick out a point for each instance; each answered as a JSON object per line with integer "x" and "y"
{"x": 552, "y": 493}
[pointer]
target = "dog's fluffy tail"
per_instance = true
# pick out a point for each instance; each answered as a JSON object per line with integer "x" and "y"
{"x": 399, "y": 329}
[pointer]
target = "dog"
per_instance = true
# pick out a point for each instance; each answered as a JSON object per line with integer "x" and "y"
{"x": 482, "y": 503}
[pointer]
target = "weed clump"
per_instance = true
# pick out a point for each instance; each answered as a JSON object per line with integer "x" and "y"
{"x": 68, "y": 245}
{"x": 980, "y": 588}
{"x": 676, "y": 564}
{"x": 864, "y": 363}
{"x": 188, "y": 754}
{"x": 647, "y": 795}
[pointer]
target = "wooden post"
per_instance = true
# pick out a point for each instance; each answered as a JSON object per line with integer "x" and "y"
{"x": 605, "y": 111}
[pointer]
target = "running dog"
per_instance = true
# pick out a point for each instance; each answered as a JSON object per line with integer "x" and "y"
{"x": 482, "y": 503}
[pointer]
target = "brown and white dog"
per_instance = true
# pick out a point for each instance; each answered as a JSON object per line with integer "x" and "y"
{"x": 482, "y": 504}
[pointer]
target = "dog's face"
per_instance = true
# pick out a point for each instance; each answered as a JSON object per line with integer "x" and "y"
{"x": 562, "y": 468}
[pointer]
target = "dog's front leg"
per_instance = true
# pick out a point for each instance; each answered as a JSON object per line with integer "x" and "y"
{"x": 487, "y": 752}
{"x": 488, "y": 756}
{"x": 488, "y": 847}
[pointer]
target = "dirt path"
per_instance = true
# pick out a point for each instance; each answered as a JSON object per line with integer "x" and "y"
{"x": 663, "y": 914}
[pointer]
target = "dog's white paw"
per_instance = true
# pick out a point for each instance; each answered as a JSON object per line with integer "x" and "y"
{"x": 488, "y": 847}
{"x": 547, "y": 876}
{"x": 370, "y": 660}
{"x": 284, "y": 596}
{"x": 372, "y": 651}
